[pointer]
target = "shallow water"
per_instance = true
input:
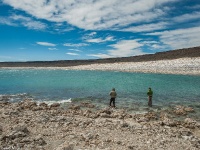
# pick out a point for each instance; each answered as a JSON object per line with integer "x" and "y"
{"x": 65, "y": 85}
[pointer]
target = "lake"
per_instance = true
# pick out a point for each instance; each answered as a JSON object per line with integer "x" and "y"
{"x": 71, "y": 85}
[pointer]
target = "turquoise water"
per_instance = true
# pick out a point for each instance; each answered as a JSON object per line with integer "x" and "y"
{"x": 58, "y": 85}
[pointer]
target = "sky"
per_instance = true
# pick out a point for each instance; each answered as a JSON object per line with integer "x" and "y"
{"x": 48, "y": 30}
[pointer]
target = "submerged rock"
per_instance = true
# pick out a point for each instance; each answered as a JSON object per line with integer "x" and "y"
{"x": 4, "y": 98}
{"x": 189, "y": 109}
{"x": 182, "y": 110}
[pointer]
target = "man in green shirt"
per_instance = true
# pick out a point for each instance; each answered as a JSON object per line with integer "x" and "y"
{"x": 150, "y": 94}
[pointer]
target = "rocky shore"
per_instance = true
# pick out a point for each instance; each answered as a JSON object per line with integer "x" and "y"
{"x": 28, "y": 125}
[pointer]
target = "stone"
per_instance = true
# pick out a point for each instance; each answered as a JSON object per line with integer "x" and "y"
{"x": 168, "y": 122}
{"x": 142, "y": 119}
{"x": 66, "y": 146}
{"x": 124, "y": 125}
{"x": 105, "y": 115}
{"x": 39, "y": 141}
{"x": 151, "y": 116}
{"x": 107, "y": 111}
{"x": 180, "y": 112}
{"x": 75, "y": 107}
{"x": 43, "y": 105}
{"x": 54, "y": 105}
{"x": 189, "y": 109}
{"x": 190, "y": 121}
{"x": 1, "y": 129}
{"x": 20, "y": 128}
{"x": 28, "y": 104}
{"x": 87, "y": 104}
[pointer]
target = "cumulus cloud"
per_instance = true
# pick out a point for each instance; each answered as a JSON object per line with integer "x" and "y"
{"x": 127, "y": 16}
{"x": 93, "y": 15}
{"x": 45, "y": 44}
{"x": 123, "y": 48}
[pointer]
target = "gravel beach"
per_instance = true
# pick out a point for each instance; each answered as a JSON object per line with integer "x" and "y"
{"x": 28, "y": 125}
{"x": 189, "y": 66}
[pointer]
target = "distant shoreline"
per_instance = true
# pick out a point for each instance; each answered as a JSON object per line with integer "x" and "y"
{"x": 183, "y": 66}
{"x": 182, "y": 61}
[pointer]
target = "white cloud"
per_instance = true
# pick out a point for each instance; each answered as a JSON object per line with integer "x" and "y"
{"x": 76, "y": 50}
{"x": 73, "y": 54}
{"x": 17, "y": 20}
{"x": 99, "y": 40}
{"x": 92, "y": 34}
{"x": 181, "y": 38}
{"x": 75, "y": 45}
{"x": 7, "y": 21}
{"x": 35, "y": 25}
{"x": 187, "y": 17}
{"x": 100, "y": 55}
{"x": 123, "y": 48}
{"x": 147, "y": 27}
{"x": 45, "y": 44}
{"x": 93, "y": 15}
{"x": 52, "y": 49}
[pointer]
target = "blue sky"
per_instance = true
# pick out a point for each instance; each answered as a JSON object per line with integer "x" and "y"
{"x": 41, "y": 30}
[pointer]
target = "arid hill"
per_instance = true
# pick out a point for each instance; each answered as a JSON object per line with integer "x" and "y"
{"x": 172, "y": 54}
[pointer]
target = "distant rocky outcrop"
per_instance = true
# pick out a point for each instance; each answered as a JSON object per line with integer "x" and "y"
{"x": 172, "y": 54}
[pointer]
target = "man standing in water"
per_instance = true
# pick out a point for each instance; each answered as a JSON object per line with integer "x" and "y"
{"x": 113, "y": 95}
{"x": 150, "y": 94}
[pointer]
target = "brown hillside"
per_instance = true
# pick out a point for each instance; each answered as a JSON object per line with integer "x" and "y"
{"x": 173, "y": 54}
